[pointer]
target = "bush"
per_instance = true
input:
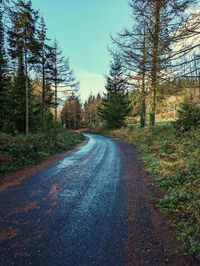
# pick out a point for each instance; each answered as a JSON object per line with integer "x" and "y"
{"x": 188, "y": 117}
{"x": 19, "y": 151}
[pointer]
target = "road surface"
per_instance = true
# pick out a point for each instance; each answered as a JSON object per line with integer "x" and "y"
{"x": 71, "y": 213}
{"x": 88, "y": 208}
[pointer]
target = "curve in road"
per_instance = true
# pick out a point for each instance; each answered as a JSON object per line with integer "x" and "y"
{"x": 71, "y": 213}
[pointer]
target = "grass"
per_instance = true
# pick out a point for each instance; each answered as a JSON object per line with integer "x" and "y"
{"x": 174, "y": 163}
{"x": 19, "y": 151}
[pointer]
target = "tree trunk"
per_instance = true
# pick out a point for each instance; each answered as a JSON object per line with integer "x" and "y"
{"x": 143, "y": 94}
{"x": 155, "y": 61}
{"x": 43, "y": 91}
{"x": 56, "y": 103}
{"x": 27, "y": 91}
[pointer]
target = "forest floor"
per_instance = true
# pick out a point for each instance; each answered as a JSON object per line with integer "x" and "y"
{"x": 90, "y": 207}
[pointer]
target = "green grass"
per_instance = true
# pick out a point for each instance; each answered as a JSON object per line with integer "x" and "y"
{"x": 174, "y": 163}
{"x": 19, "y": 151}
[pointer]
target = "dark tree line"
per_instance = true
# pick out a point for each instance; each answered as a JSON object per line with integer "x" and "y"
{"x": 33, "y": 70}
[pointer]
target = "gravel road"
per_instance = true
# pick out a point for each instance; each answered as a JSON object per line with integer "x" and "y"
{"x": 90, "y": 207}
{"x": 71, "y": 213}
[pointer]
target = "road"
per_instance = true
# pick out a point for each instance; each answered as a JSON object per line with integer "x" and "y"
{"x": 71, "y": 213}
{"x": 90, "y": 207}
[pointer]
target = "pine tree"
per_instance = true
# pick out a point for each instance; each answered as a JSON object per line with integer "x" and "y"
{"x": 60, "y": 75}
{"x": 90, "y": 114}
{"x": 44, "y": 69}
{"x": 23, "y": 51}
{"x": 134, "y": 53}
{"x": 115, "y": 105}
{"x": 71, "y": 112}
{"x": 3, "y": 73}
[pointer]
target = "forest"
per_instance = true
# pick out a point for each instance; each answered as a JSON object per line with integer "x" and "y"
{"x": 152, "y": 99}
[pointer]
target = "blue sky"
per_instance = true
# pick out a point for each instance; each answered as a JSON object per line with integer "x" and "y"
{"x": 82, "y": 28}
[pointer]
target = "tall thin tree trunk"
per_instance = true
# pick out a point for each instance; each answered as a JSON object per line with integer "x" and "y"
{"x": 155, "y": 61}
{"x": 143, "y": 104}
{"x": 56, "y": 103}
{"x": 143, "y": 96}
{"x": 27, "y": 91}
{"x": 43, "y": 93}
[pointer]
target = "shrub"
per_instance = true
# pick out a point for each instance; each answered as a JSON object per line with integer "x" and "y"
{"x": 19, "y": 151}
{"x": 188, "y": 117}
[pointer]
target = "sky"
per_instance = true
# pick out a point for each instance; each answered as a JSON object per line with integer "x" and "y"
{"x": 82, "y": 29}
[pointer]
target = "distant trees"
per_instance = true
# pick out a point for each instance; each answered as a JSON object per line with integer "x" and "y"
{"x": 33, "y": 72}
{"x": 115, "y": 105}
{"x": 90, "y": 114}
{"x": 71, "y": 113}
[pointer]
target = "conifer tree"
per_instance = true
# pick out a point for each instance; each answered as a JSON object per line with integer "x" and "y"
{"x": 134, "y": 53}
{"x": 90, "y": 115}
{"x": 3, "y": 72}
{"x": 60, "y": 75}
{"x": 71, "y": 112}
{"x": 44, "y": 69}
{"x": 23, "y": 51}
{"x": 115, "y": 105}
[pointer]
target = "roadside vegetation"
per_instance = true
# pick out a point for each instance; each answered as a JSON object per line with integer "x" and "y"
{"x": 171, "y": 154}
{"x": 23, "y": 150}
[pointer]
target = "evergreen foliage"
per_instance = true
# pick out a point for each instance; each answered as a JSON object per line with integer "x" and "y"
{"x": 115, "y": 105}
{"x": 91, "y": 118}
{"x": 71, "y": 113}
{"x": 23, "y": 50}
{"x": 31, "y": 70}
{"x": 3, "y": 74}
{"x": 188, "y": 117}
{"x": 60, "y": 74}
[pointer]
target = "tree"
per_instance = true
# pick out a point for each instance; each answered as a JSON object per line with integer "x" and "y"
{"x": 133, "y": 48}
{"x": 3, "y": 73}
{"x": 44, "y": 69}
{"x": 71, "y": 113}
{"x": 23, "y": 50}
{"x": 90, "y": 115}
{"x": 60, "y": 75}
{"x": 147, "y": 48}
{"x": 115, "y": 105}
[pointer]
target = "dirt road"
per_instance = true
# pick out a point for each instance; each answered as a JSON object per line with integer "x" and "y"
{"x": 89, "y": 208}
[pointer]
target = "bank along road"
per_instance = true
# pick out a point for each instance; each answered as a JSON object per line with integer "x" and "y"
{"x": 71, "y": 213}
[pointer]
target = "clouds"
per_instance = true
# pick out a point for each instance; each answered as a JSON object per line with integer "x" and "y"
{"x": 90, "y": 83}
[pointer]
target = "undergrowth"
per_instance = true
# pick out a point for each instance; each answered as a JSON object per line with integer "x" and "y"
{"x": 174, "y": 162}
{"x": 19, "y": 151}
